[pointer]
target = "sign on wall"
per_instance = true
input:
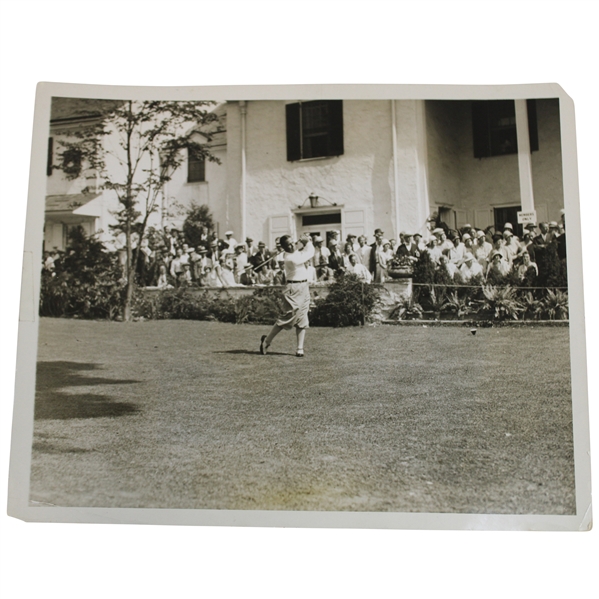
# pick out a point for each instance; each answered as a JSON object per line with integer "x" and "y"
{"x": 527, "y": 217}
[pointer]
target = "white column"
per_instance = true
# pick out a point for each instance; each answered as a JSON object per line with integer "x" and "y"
{"x": 395, "y": 173}
{"x": 243, "y": 109}
{"x": 524, "y": 157}
{"x": 421, "y": 167}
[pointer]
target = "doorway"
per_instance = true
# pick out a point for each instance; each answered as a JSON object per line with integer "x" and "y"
{"x": 508, "y": 214}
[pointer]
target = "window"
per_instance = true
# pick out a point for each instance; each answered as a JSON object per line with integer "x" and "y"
{"x": 196, "y": 167}
{"x": 309, "y": 220}
{"x": 50, "y": 156}
{"x": 314, "y": 129}
{"x": 494, "y": 127}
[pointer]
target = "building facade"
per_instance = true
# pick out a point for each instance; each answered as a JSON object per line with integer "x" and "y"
{"x": 354, "y": 165}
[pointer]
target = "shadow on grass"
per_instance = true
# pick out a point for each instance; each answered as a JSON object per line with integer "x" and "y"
{"x": 53, "y": 403}
{"x": 250, "y": 352}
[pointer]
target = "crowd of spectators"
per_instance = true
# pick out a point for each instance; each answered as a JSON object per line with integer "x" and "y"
{"x": 465, "y": 256}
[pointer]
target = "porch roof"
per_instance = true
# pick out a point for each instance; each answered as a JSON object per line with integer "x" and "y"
{"x": 68, "y": 202}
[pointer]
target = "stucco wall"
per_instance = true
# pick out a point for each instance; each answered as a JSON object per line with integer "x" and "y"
{"x": 361, "y": 179}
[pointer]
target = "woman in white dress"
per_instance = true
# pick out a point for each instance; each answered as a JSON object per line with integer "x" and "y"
{"x": 296, "y": 293}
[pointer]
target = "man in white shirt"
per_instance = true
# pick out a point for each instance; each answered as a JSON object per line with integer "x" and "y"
{"x": 296, "y": 293}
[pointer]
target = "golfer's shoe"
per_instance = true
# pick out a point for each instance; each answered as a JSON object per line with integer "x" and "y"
{"x": 299, "y": 353}
{"x": 263, "y": 346}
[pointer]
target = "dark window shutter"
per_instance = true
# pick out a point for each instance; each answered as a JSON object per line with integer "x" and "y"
{"x": 196, "y": 167}
{"x": 480, "y": 129}
{"x": 292, "y": 114}
{"x": 50, "y": 156}
{"x": 533, "y": 131}
{"x": 336, "y": 127}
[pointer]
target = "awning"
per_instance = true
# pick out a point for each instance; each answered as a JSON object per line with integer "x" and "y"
{"x": 71, "y": 203}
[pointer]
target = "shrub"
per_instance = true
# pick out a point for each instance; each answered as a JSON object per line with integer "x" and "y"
{"x": 406, "y": 308}
{"x": 502, "y": 301}
{"x": 87, "y": 281}
{"x": 349, "y": 303}
{"x": 460, "y": 305}
{"x": 555, "y": 305}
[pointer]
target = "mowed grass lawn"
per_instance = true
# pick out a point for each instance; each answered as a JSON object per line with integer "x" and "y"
{"x": 184, "y": 414}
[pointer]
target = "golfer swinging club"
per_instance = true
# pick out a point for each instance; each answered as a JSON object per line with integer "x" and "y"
{"x": 296, "y": 294}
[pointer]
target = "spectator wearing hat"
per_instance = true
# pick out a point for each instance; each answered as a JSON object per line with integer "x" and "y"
{"x": 348, "y": 250}
{"x": 419, "y": 242}
{"x": 407, "y": 250}
{"x": 498, "y": 268}
{"x": 470, "y": 268}
{"x": 240, "y": 260}
{"x": 442, "y": 241}
{"x": 201, "y": 265}
{"x": 353, "y": 239}
{"x": 247, "y": 278}
{"x": 456, "y": 253}
{"x": 511, "y": 245}
{"x": 498, "y": 246}
{"x": 384, "y": 258}
{"x": 375, "y": 249}
{"x": 230, "y": 243}
{"x": 510, "y": 227}
{"x": 483, "y": 249}
{"x": 261, "y": 260}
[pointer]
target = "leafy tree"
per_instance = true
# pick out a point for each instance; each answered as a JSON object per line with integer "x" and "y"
{"x": 197, "y": 225}
{"x": 134, "y": 147}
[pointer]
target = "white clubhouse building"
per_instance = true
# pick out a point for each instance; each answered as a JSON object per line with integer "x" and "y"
{"x": 348, "y": 165}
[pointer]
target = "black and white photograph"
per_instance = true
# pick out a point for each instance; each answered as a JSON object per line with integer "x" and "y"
{"x": 306, "y": 302}
{"x": 421, "y": 446}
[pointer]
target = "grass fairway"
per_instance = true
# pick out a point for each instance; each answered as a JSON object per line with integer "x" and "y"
{"x": 184, "y": 414}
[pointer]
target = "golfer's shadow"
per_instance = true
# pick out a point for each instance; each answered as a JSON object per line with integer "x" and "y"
{"x": 251, "y": 352}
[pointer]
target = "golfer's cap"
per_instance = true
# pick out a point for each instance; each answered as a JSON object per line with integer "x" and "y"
{"x": 249, "y": 239}
{"x": 191, "y": 249}
{"x": 407, "y": 235}
{"x": 227, "y": 233}
{"x": 350, "y": 235}
{"x": 553, "y": 225}
{"x": 379, "y": 232}
{"x": 497, "y": 236}
{"x": 239, "y": 246}
{"x": 508, "y": 226}
{"x": 466, "y": 236}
